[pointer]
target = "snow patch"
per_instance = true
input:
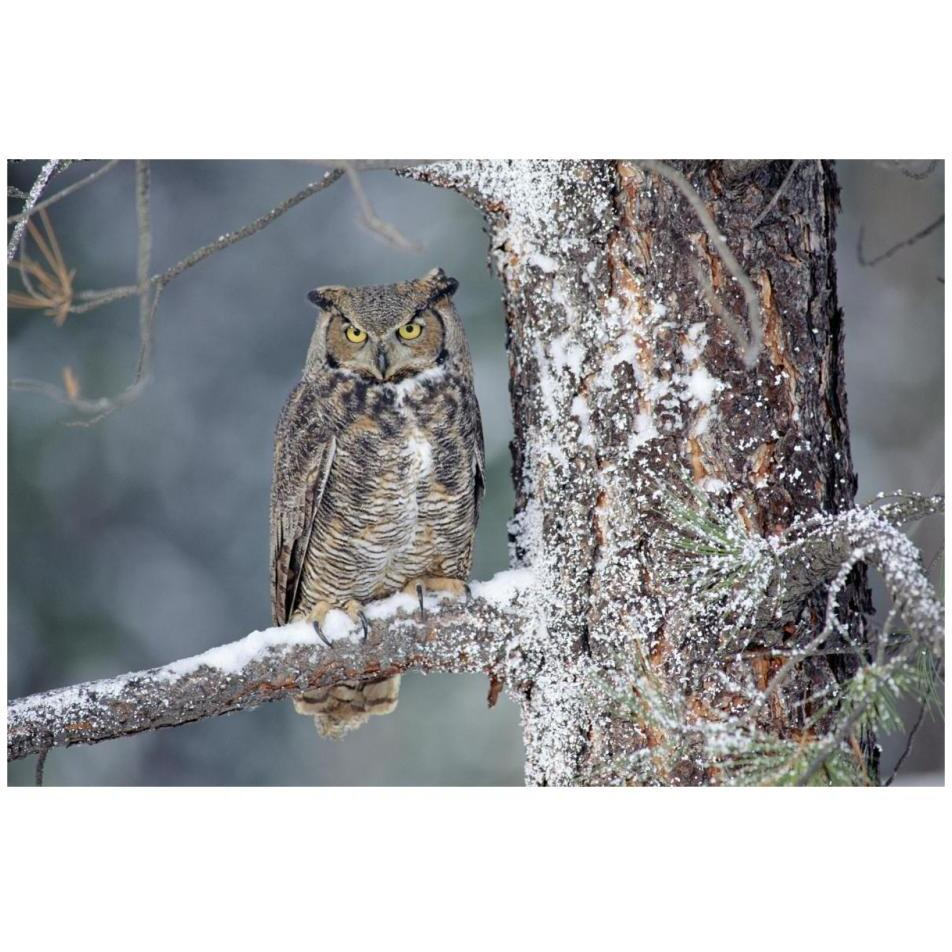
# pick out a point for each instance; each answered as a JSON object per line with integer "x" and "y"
{"x": 543, "y": 262}
{"x": 233, "y": 657}
{"x": 504, "y": 587}
{"x": 700, "y": 387}
{"x": 567, "y": 353}
{"x": 581, "y": 412}
{"x": 645, "y": 431}
{"x": 697, "y": 340}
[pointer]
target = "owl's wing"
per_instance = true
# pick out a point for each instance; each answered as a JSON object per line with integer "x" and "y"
{"x": 303, "y": 455}
{"x": 475, "y": 427}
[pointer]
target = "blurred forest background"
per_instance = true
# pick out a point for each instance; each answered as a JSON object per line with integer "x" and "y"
{"x": 144, "y": 538}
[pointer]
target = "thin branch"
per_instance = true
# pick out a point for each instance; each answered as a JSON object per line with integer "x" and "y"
{"x": 385, "y": 229}
{"x": 776, "y": 195}
{"x": 40, "y": 766}
{"x": 94, "y": 299}
{"x": 69, "y": 190}
{"x": 148, "y": 305}
{"x": 749, "y": 343}
{"x": 233, "y": 237}
{"x": 376, "y": 165}
{"x": 903, "y": 167}
{"x": 271, "y": 664}
{"x": 143, "y": 260}
{"x": 35, "y": 192}
{"x": 101, "y": 407}
{"x": 906, "y": 243}
{"x": 909, "y": 740}
{"x": 718, "y": 307}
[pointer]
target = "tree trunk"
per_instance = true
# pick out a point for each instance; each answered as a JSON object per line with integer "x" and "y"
{"x": 622, "y": 370}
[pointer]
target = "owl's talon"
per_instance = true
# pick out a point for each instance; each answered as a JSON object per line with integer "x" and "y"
{"x": 468, "y": 591}
{"x": 320, "y": 634}
{"x": 364, "y": 624}
{"x": 419, "y": 591}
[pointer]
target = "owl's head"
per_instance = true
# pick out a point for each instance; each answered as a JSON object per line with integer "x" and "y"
{"x": 388, "y": 332}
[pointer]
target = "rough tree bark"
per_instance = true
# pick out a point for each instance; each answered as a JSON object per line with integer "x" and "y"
{"x": 673, "y": 335}
{"x": 619, "y": 364}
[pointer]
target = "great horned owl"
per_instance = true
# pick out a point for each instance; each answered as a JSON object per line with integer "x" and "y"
{"x": 378, "y": 469}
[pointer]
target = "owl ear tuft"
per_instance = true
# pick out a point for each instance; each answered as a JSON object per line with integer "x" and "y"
{"x": 441, "y": 283}
{"x": 324, "y": 297}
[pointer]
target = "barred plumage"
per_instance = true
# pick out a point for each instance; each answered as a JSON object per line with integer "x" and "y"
{"x": 378, "y": 467}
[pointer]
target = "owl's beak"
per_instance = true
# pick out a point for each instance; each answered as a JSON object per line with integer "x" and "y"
{"x": 382, "y": 362}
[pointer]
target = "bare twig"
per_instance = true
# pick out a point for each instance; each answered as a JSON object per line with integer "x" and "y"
{"x": 717, "y": 305}
{"x": 69, "y": 190}
{"x": 906, "y": 243}
{"x": 143, "y": 260}
{"x": 94, "y": 299}
{"x": 909, "y": 740}
{"x": 777, "y": 194}
{"x": 918, "y": 174}
{"x": 35, "y": 192}
{"x": 40, "y": 765}
{"x": 375, "y": 165}
{"x": 749, "y": 343}
{"x": 233, "y": 237}
{"x": 385, "y": 229}
{"x": 149, "y": 301}
{"x": 267, "y": 666}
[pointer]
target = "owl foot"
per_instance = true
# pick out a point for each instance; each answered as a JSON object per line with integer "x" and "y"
{"x": 419, "y": 591}
{"x": 316, "y": 625}
{"x": 436, "y": 583}
{"x": 316, "y": 617}
{"x": 354, "y": 610}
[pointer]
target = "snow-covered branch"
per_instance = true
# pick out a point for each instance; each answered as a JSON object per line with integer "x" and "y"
{"x": 751, "y": 587}
{"x": 49, "y": 167}
{"x": 820, "y": 546}
{"x": 267, "y": 665}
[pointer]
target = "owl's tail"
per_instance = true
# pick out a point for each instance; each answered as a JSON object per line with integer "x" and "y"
{"x": 346, "y": 706}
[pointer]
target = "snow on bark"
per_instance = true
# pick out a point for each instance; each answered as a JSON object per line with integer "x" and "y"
{"x": 270, "y": 664}
{"x": 622, "y": 315}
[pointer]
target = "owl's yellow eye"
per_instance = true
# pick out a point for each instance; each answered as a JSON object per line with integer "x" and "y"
{"x": 410, "y": 331}
{"x": 355, "y": 335}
